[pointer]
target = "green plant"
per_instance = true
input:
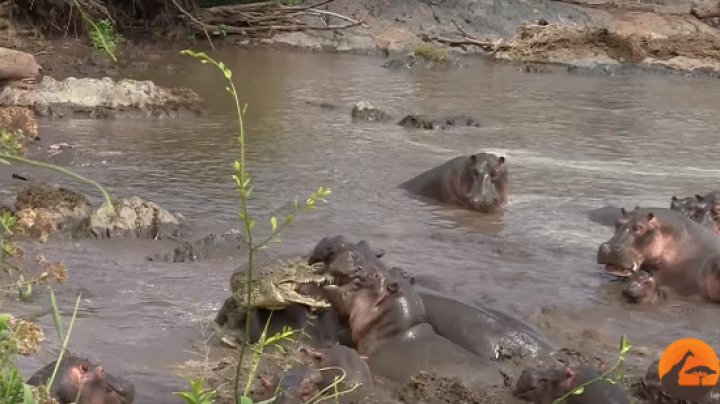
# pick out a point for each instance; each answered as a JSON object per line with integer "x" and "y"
{"x": 103, "y": 34}
{"x": 245, "y": 189}
{"x": 197, "y": 394}
{"x": 618, "y": 368}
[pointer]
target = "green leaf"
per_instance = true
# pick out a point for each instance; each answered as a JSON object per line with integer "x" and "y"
{"x": 273, "y": 223}
{"x": 56, "y": 315}
{"x": 610, "y": 380}
{"x": 246, "y": 400}
{"x": 624, "y": 345}
{"x": 228, "y": 73}
{"x": 27, "y": 395}
{"x": 578, "y": 391}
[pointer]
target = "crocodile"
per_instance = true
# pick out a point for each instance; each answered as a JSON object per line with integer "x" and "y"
{"x": 274, "y": 284}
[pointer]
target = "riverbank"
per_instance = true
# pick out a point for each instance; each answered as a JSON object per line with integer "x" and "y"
{"x": 599, "y": 36}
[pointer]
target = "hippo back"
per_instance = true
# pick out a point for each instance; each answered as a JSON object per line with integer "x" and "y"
{"x": 488, "y": 333}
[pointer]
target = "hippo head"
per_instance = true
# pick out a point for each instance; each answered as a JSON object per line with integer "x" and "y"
{"x": 297, "y": 386}
{"x": 486, "y": 182}
{"x": 543, "y": 385}
{"x": 642, "y": 288}
{"x": 692, "y": 206}
{"x": 710, "y": 214}
{"x": 95, "y": 386}
{"x": 359, "y": 261}
{"x": 329, "y": 247}
{"x": 326, "y": 248}
{"x": 377, "y": 301}
{"x": 638, "y": 240}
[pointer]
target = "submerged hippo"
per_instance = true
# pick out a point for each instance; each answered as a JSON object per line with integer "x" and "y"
{"x": 77, "y": 375}
{"x": 677, "y": 251}
{"x": 544, "y": 386}
{"x": 642, "y": 288}
{"x": 387, "y": 324}
{"x": 477, "y": 182}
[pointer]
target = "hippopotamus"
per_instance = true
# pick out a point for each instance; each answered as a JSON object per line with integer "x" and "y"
{"x": 606, "y": 216}
{"x": 98, "y": 387}
{"x": 388, "y": 326}
{"x": 355, "y": 369}
{"x": 485, "y": 332}
{"x": 658, "y": 240}
{"x": 296, "y": 386}
{"x": 544, "y": 386}
{"x": 642, "y": 288}
{"x": 477, "y": 182}
{"x": 690, "y": 206}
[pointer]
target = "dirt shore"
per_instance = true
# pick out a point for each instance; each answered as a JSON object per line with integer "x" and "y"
{"x": 588, "y": 35}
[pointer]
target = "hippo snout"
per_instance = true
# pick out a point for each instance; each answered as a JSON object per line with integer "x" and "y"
{"x": 617, "y": 259}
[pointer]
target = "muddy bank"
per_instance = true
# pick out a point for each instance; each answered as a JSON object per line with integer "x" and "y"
{"x": 594, "y": 36}
{"x": 590, "y": 35}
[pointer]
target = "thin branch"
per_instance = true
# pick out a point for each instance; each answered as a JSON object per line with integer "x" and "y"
{"x": 195, "y": 20}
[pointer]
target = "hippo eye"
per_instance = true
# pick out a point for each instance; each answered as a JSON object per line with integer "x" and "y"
{"x": 637, "y": 229}
{"x": 84, "y": 367}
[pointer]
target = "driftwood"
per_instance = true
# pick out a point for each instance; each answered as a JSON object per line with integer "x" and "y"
{"x": 269, "y": 17}
{"x": 465, "y": 39}
{"x": 16, "y": 66}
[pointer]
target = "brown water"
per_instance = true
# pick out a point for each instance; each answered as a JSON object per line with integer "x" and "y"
{"x": 573, "y": 143}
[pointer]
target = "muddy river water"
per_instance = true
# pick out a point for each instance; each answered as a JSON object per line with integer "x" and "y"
{"x": 573, "y": 143}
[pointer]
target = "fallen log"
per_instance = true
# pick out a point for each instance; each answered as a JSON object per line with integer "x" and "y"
{"x": 17, "y": 66}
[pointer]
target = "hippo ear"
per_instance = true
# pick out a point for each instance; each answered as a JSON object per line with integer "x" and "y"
{"x": 473, "y": 158}
{"x": 699, "y": 198}
{"x": 650, "y": 216}
{"x": 637, "y": 207}
{"x": 675, "y": 198}
{"x": 623, "y": 211}
{"x": 501, "y": 160}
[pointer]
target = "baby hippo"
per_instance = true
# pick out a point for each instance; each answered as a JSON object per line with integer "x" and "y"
{"x": 642, "y": 288}
{"x": 357, "y": 377}
{"x": 543, "y": 386}
{"x": 80, "y": 381}
{"x": 299, "y": 384}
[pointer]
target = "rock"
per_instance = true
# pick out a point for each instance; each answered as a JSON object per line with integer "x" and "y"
{"x": 19, "y": 120}
{"x": 363, "y": 111}
{"x": 136, "y": 218}
{"x": 423, "y": 122}
{"x": 45, "y": 211}
{"x": 100, "y": 97}
{"x": 210, "y": 246}
{"x": 17, "y": 66}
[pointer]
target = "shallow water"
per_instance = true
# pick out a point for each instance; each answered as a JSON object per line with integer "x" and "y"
{"x": 573, "y": 143}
